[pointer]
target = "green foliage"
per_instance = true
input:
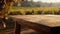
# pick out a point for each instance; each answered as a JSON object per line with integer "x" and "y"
{"x": 57, "y": 12}
{"x": 28, "y": 13}
{"x": 35, "y": 10}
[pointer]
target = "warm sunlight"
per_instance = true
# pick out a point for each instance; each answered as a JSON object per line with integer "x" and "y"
{"x": 29, "y": 16}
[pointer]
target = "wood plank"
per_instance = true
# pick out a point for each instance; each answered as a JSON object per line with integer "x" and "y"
{"x": 47, "y": 20}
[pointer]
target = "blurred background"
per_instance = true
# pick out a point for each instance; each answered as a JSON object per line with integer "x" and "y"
{"x": 25, "y": 7}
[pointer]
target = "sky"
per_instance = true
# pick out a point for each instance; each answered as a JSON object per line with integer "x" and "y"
{"x": 53, "y": 1}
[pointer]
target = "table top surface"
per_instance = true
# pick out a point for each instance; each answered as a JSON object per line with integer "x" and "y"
{"x": 48, "y": 20}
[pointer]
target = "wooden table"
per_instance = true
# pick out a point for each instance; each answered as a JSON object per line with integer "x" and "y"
{"x": 44, "y": 24}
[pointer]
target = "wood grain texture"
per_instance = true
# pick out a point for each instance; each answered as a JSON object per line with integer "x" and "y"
{"x": 48, "y": 20}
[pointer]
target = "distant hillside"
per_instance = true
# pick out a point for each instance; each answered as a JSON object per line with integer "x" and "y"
{"x": 37, "y": 4}
{"x": 48, "y": 4}
{"x": 56, "y": 4}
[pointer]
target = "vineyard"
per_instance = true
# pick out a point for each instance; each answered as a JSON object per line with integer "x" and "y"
{"x": 34, "y": 10}
{"x": 7, "y": 8}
